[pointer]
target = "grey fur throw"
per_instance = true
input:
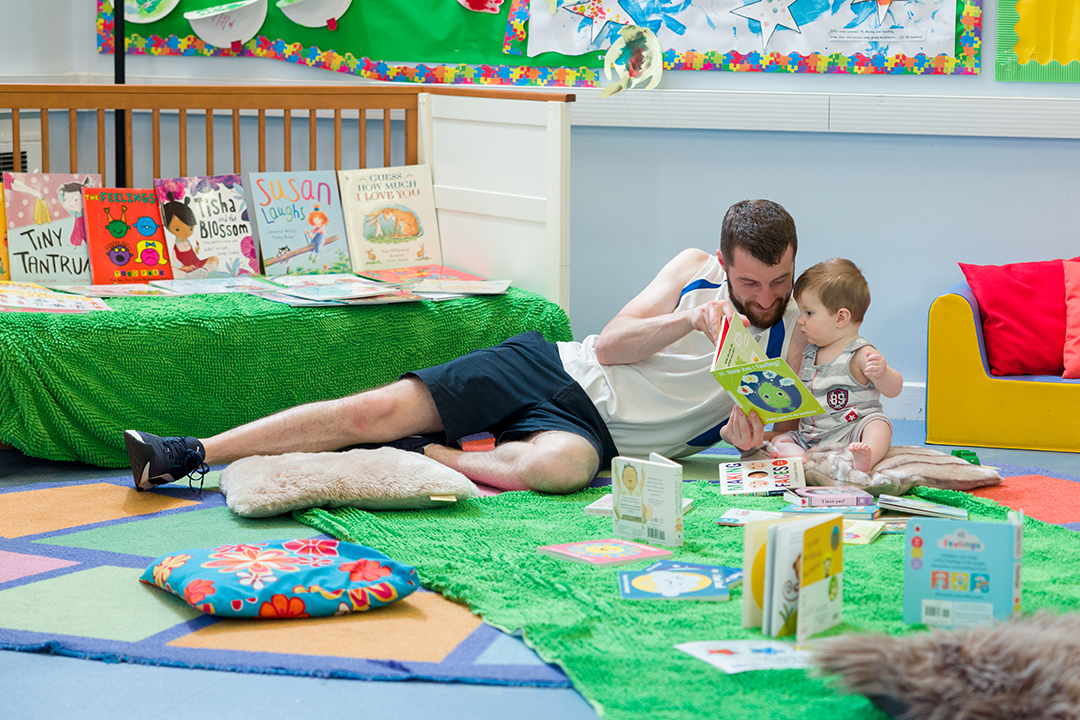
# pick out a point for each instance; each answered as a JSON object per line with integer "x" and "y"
{"x": 904, "y": 467}
{"x": 1025, "y": 668}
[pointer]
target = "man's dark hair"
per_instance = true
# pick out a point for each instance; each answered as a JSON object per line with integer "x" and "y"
{"x": 762, "y": 228}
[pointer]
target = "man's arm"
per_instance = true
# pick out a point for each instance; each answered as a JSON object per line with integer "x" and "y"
{"x": 649, "y": 323}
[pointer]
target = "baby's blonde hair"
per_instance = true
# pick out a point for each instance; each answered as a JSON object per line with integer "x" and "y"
{"x": 838, "y": 284}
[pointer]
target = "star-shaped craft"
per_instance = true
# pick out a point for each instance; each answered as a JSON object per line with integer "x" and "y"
{"x": 600, "y": 12}
{"x": 771, "y": 14}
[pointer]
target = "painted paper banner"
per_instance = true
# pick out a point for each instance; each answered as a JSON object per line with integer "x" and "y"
{"x": 403, "y": 41}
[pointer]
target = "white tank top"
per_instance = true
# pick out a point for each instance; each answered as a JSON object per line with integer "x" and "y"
{"x": 669, "y": 403}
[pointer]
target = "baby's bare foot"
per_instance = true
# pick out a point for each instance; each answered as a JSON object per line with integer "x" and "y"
{"x": 861, "y": 455}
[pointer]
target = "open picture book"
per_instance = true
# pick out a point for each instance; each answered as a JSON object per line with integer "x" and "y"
{"x": 758, "y": 383}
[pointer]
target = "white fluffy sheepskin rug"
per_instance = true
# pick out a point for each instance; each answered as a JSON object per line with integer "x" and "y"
{"x": 1027, "y": 668}
{"x": 381, "y": 479}
{"x": 904, "y": 467}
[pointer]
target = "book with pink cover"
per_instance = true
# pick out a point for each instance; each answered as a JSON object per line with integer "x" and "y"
{"x": 829, "y": 495}
{"x": 416, "y": 273}
{"x": 606, "y": 553}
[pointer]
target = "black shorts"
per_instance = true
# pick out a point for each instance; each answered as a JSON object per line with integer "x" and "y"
{"x": 513, "y": 390}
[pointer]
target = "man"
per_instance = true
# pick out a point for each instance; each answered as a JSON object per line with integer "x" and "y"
{"x": 559, "y": 411}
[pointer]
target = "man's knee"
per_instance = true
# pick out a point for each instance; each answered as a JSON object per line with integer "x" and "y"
{"x": 560, "y": 463}
{"x": 404, "y": 407}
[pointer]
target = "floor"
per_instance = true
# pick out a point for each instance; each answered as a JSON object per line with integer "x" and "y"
{"x": 47, "y": 686}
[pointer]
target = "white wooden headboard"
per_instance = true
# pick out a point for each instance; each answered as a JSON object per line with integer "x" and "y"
{"x": 501, "y": 171}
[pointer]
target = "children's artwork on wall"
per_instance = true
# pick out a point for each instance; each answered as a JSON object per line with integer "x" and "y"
{"x": 888, "y": 33}
{"x": 146, "y": 11}
{"x": 314, "y": 13}
{"x": 229, "y": 25}
{"x": 1037, "y": 41}
{"x": 636, "y": 58}
{"x": 562, "y": 43}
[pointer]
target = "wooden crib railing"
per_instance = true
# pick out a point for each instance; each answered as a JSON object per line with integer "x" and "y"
{"x": 44, "y": 102}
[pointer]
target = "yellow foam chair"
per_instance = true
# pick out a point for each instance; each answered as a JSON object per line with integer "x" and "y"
{"x": 966, "y": 405}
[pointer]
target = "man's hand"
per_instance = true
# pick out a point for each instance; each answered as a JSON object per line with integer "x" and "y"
{"x": 708, "y": 318}
{"x": 743, "y": 430}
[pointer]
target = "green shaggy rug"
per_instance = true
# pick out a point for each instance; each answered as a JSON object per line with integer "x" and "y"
{"x": 619, "y": 654}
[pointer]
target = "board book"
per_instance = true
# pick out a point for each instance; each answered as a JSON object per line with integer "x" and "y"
{"x": 733, "y": 576}
{"x": 301, "y": 227}
{"x": 127, "y": 242}
{"x": 796, "y": 575}
{"x": 738, "y": 517}
{"x": 603, "y": 506}
{"x": 737, "y": 656}
{"x": 390, "y": 217}
{"x": 674, "y": 583}
{"x": 761, "y": 477}
{"x": 646, "y": 498}
{"x": 917, "y": 506}
{"x": 46, "y": 235}
{"x": 609, "y": 552}
{"x": 757, "y": 383}
{"x": 828, "y": 495}
{"x": 862, "y": 532}
{"x": 207, "y": 228}
{"x": 850, "y": 512}
{"x": 960, "y": 573}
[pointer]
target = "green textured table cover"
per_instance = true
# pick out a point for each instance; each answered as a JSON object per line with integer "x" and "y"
{"x": 70, "y": 384}
{"x": 619, "y": 653}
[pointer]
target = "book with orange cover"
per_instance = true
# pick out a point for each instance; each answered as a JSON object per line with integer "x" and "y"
{"x": 127, "y": 242}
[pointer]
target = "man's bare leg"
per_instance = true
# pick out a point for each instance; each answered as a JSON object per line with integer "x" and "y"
{"x": 390, "y": 412}
{"x": 551, "y": 461}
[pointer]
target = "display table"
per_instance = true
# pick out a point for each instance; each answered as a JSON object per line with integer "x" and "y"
{"x": 70, "y": 384}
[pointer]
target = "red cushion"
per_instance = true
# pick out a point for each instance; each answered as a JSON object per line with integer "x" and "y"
{"x": 1072, "y": 319}
{"x": 1023, "y": 315}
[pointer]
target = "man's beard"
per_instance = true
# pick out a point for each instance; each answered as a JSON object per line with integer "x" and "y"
{"x": 757, "y": 318}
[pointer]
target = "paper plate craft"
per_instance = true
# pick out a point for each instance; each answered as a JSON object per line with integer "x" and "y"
{"x": 280, "y": 579}
{"x": 314, "y": 13}
{"x": 147, "y": 11}
{"x": 229, "y": 25}
{"x": 636, "y": 57}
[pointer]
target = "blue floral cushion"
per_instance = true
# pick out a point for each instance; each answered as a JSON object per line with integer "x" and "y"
{"x": 283, "y": 578}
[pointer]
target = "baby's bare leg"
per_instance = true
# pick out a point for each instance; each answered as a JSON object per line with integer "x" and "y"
{"x": 871, "y": 449}
{"x": 787, "y": 447}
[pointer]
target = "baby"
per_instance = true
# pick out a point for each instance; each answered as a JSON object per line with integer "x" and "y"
{"x": 843, "y": 371}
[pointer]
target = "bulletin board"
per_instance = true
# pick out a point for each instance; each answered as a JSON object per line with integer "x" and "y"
{"x": 1037, "y": 41}
{"x": 442, "y": 41}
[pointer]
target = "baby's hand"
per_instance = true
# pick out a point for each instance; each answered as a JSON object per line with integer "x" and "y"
{"x": 875, "y": 366}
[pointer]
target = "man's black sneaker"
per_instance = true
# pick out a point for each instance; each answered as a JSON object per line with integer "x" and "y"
{"x": 159, "y": 460}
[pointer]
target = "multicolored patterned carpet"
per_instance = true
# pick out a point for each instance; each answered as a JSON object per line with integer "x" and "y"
{"x": 71, "y": 555}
